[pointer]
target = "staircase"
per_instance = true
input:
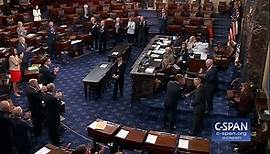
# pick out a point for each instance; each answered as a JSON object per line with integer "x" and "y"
{"x": 221, "y": 28}
{"x": 152, "y": 20}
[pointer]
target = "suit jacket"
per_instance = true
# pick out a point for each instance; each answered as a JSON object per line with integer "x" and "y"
{"x": 142, "y": 27}
{"x": 46, "y": 75}
{"x": 34, "y": 101}
{"x": 27, "y": 55}
{"x": 51, "y": 35}
{"x": 199, "y": 101}
{"x": 21, "y": 130}
{"x": 211, "y": 77}
{"x": 94, "y": 30}
{"x": 103, "y": 33}
{"x": 120, "y": 71}
{"x": 5, "y": 132}
{"x": 174, "y": 92}
{"x": 52, "y": 105}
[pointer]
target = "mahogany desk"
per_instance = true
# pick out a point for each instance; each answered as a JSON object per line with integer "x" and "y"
{"x": 120, "y": 49}
{"x": 165, "y": 143}
{"x": 196, "y": 145}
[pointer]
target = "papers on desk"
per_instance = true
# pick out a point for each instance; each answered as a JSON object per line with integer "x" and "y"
{"x": 103, "y": 65}
{"x": 183, "y": 143}
{"x": 98, "y": 125}
{"x": 35, "y": 50}
{"x": 63, "y": 26}
{"x": 160, "y": 51}
{"x": 122, "y": 134}
{"x": 157, "y": 60}
{"x": 30, "y": 35}
{"x": 154, "y": 55}
{"x": 151, "y": 139}
{"x": 114, "y": 53}
{"x": 33, "y": 68}
{"x": 75, "y": 42}
{"x": 203, "y": 56}
{"x": 43, "y": 150}
{"x": 150, "y": 70}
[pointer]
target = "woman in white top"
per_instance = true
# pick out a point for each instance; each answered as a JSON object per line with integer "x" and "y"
{"x": 37, "y": 14}
{"x": 131, "y": 30}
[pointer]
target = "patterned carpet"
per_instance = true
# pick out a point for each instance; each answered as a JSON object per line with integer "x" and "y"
{"x": 147, "y": 114}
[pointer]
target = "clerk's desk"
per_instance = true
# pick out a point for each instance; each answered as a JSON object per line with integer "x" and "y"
{"x": 153, "y": 142}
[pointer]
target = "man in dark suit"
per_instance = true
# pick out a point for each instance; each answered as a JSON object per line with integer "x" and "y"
{"x": 94, "y": 32}
{"x": 52, "y": 105}
{"x": 5, "y": 128}
{"x": 210, "y": 83}
{"x": 51, "y": 40}
{"x": 22, "y": 48}
{"x": 35, "y": 98}
{"x": 141, "y": 31}
{"x": 102, "y": 37}
{"x": 46, "y": 76}
{"x": 199, "y": 104}
{"x": 175, "y": 91}
{"x": 21, "y": 132}
{"x": 119, "y": 77}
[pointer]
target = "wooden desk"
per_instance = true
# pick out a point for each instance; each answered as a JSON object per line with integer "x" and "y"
{"x": 134, "y": 139}
{"x": 105, "y": 135}
{"x": 98, "y": 78}
{"x": 165, "y": 143}
{"x": 143, "y": 83}
{"x": 32, "y": 74}
{"x": 120, "y": 49}
{"x": 195, "y": 145}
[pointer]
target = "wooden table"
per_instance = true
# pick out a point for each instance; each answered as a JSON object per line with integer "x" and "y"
{"x": 54, "y": 150}
{"x": 105, "y": 135}
{"x": 134, "y": 139}
{"x": 196, "y": 145}
{"x": 165, "y": 143}
{"x": 120, "y": 49}
{"x": 98, "y": 77}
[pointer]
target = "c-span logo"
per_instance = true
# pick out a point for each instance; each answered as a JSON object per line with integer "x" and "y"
{"x": 231, "y": 130}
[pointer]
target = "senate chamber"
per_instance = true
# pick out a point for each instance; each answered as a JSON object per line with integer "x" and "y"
{"x": 134, "y": 77}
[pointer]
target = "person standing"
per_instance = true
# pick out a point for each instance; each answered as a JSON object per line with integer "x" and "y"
{"x": 94, "y": 32}
{"x": 102, "y": 37}
{"x": 47, "y": 76}
{"x": 22, "y": 48}
{"x": 174, "y": 92}
{"x": 131, "y": 30}
{"x": 163, "y": 22}
{"x": 21, "y": 31}
{"x": 199, "y": 105}
{"x": 119, "y": 77}
{"x": 5, "y": 128}
{"x": 15, "y": 61}
{"x": 21, "y": 132}
{"x": 51, "y": 40}
{"x": 141, "y": 29}
{"x": 118, "y": 31}
{"x": 210, "y": 75}
{"x": 36, "y": 13}
{"x": 52, "y": 105}
{"x": 35, "y": 98}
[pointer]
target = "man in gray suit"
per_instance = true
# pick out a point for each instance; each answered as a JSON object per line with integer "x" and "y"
{"x": 174, "y": 92}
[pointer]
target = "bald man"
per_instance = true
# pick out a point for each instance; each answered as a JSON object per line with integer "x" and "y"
{"x": 5, "y": 128}
{"x": 210, "y": 82}
{"x": 35, "y": 98}
{"x": 21, "y": 130}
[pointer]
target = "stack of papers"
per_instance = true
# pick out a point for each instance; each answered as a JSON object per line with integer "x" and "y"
{"x": 43, "y": 150}
{"x": 151, "y": 139}
{"x": 98, "y": 125}
{"x": 114, "y": 53}
{"x": 157, "y": 60}
{"x": 75, "y": 42}
{"x": 183, "y": 143}
{"x": 150, "y": 70}
{"x": 122, "y": 134}
{"x": 103, "y": 65}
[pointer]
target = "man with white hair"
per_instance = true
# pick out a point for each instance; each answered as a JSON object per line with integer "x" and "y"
{"x": 210, "y": 82}
{"x": 21, "y": 130}
{"x": 22, "y": 48}
{"x": 5, "y": 128}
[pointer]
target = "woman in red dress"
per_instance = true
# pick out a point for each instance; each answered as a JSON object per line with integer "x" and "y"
{"x": 15, "y": 70}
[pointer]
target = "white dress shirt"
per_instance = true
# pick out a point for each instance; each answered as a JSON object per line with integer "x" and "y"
{"x": 131, "y": 27}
